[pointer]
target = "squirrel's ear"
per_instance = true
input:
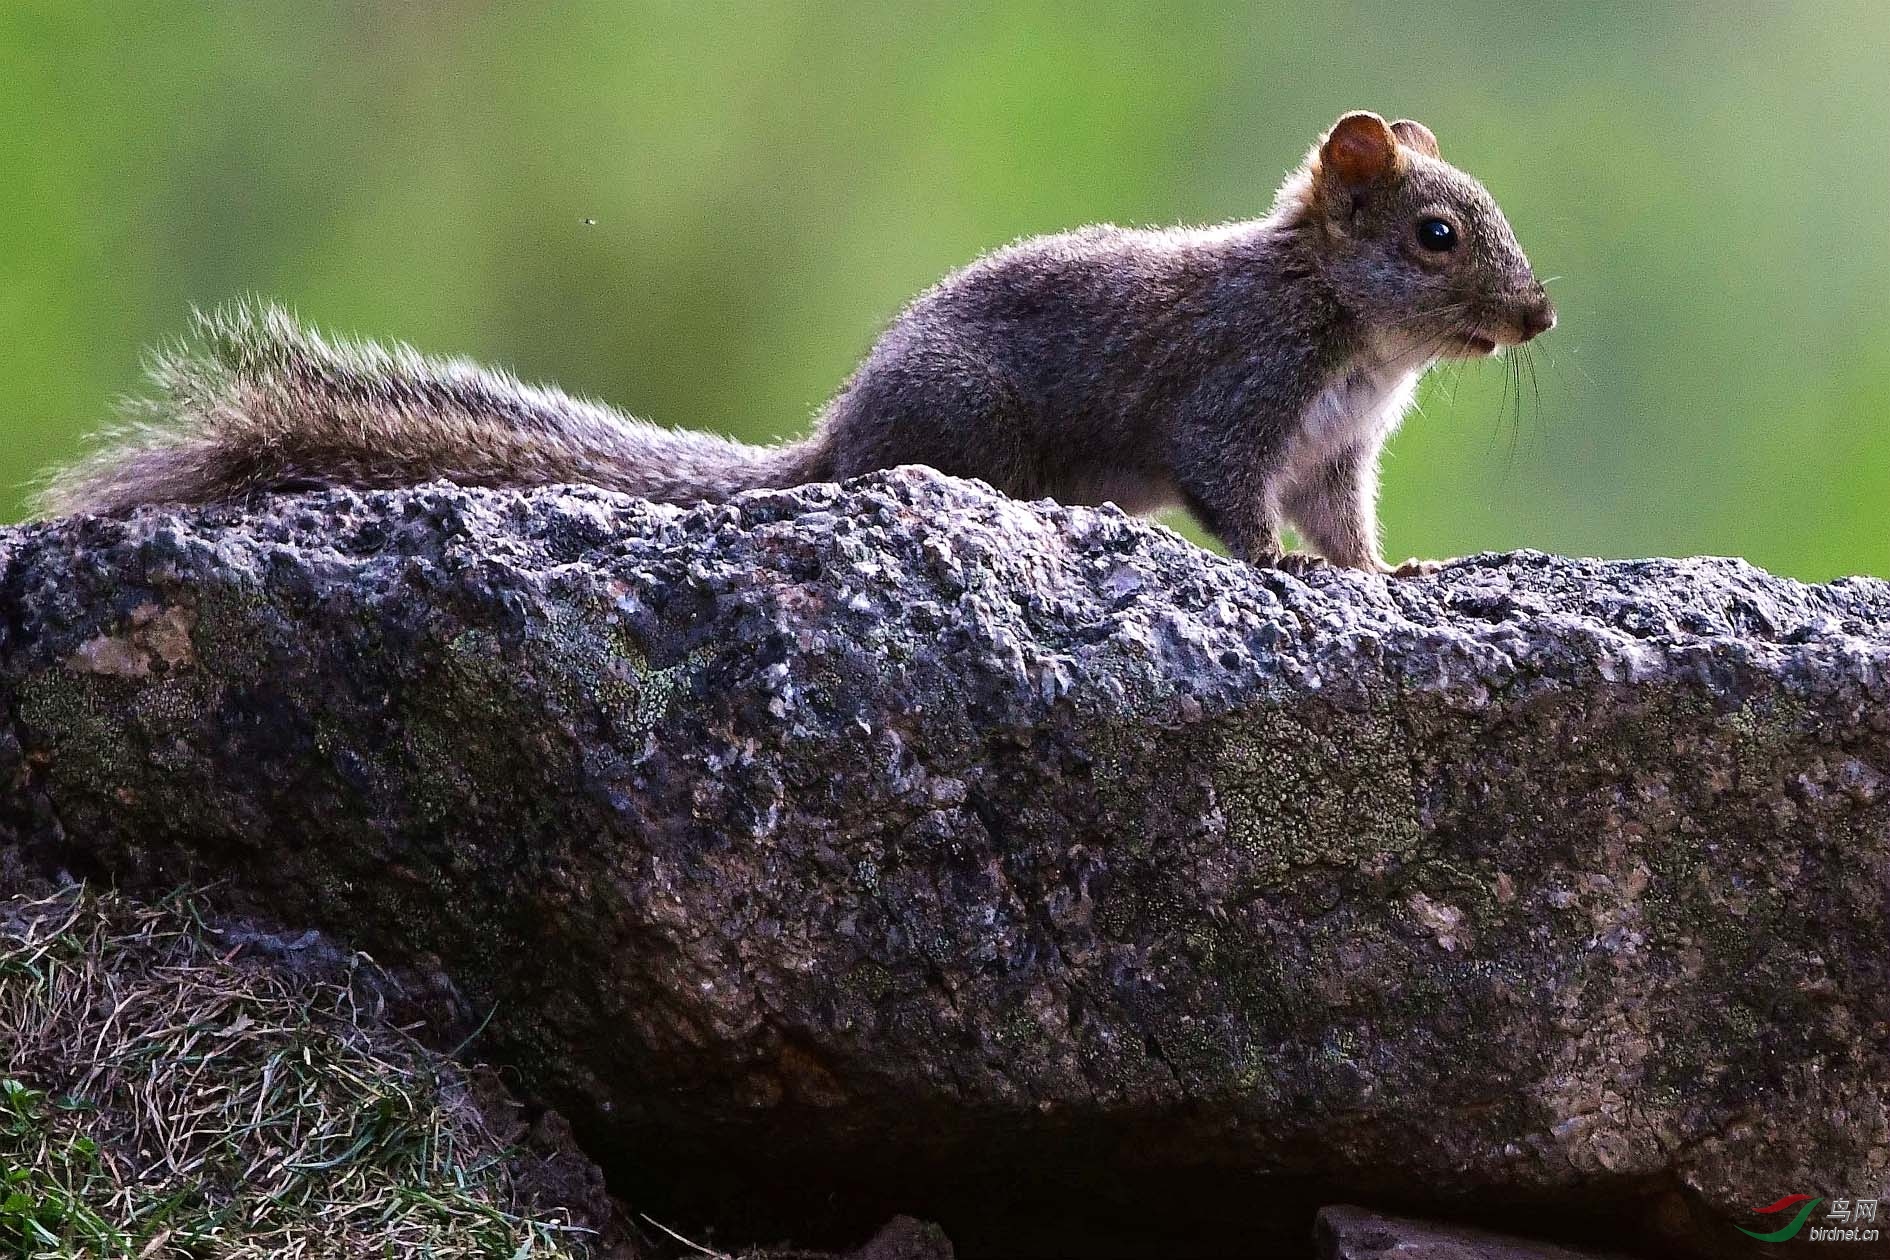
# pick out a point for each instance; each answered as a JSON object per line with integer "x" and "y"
{"x": 1359, "y": 149}
{"x": 1415, "y": 135}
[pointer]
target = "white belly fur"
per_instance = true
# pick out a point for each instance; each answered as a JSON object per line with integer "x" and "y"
{"x": 1363, "y": 405}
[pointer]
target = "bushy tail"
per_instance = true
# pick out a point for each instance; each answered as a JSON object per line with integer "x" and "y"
{"x": 254, "y": 402}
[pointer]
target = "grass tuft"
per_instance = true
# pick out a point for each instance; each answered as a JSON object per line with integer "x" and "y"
{"x": 162, "y": 1097}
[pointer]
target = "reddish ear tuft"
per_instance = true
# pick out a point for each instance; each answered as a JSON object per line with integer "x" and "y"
{"x": 1415, "y": 135}
{"x": 1359, "y": 149}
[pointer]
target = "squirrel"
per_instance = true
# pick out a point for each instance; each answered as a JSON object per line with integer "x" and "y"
{"x": 1250, "y": 371}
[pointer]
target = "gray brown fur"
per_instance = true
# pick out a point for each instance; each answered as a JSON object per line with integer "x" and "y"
{"x": 1251, "y": 371}
{"x": 258, "y": 403}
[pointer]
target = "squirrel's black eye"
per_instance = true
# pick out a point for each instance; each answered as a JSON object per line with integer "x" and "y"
{"x": 1436, "y": 235}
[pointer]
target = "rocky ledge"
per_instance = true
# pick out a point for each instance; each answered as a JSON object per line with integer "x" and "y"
{"x": 898, "y": 847}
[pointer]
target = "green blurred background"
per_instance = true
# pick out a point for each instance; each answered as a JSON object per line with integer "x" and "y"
{"x": 1709, "y": 181}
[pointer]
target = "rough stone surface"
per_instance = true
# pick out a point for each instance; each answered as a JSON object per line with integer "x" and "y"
{"x": 1350, "y": 1233}
{"x": 901, "y": 847}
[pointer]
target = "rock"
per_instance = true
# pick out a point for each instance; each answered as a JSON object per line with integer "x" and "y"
{"x": 898, "y": 847}
{"x": 906, "y": 1238}
{"x": 1350, "y": 1233}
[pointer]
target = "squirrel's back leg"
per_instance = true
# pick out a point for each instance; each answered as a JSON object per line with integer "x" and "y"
{"x": 949, "y": 411}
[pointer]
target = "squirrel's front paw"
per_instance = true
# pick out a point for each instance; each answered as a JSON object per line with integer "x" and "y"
{"x": 1299, "y": 563}
{"x": 1416, "y": 568}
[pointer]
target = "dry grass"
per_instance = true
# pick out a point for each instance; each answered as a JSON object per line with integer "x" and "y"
{"x": 161, "y": 1097}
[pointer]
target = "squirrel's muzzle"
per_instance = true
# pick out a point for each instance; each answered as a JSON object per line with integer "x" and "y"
{"x": 1536, "y": 318}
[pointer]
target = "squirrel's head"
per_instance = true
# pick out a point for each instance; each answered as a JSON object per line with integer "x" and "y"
{"x": 1409, "y": 242}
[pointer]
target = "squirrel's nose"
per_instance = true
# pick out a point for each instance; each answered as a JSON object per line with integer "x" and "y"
{"x": 1537, "y": 318}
